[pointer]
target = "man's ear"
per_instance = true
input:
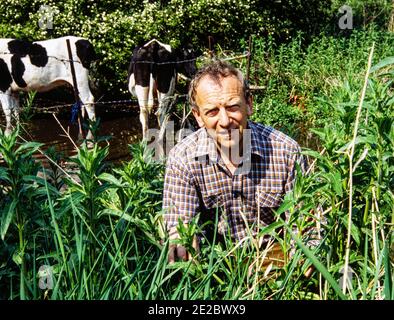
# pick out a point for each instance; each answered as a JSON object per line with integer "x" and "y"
{"x": 249, "y": 106}
{"x": 197, "y": 116}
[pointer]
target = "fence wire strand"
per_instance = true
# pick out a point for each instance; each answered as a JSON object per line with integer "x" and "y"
{"x": 78, "y": 61}
{"x": 61, "y": 105}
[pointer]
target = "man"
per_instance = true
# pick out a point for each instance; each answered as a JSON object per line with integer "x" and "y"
{"x": 231, "y": 163}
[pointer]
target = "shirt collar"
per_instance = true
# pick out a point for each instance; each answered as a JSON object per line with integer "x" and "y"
{"x": 257, "y": 140}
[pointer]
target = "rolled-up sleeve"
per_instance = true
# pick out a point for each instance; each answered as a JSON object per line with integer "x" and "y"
{"x": 180, "y": 199}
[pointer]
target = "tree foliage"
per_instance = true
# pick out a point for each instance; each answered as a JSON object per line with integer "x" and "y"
{"x": 116, "y": 27}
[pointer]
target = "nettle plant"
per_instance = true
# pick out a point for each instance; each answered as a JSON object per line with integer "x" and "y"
{"x": 20, "y": 209}
{"x": 352, "y": 181}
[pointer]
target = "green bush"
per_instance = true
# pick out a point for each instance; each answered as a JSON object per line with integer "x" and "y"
{"x": 304, "y": 80}
{"x": 115, "y": 28}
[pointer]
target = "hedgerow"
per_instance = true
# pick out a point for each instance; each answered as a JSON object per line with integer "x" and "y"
{"x": 115, "y": 28}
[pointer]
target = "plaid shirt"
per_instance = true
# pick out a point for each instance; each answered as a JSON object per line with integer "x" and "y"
{"x": 197, "y": 181}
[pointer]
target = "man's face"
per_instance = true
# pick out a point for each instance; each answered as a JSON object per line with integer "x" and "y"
{"x": 222, "y": 110}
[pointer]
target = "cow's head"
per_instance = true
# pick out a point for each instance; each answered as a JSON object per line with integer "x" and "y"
{"x": 186, "y": 61}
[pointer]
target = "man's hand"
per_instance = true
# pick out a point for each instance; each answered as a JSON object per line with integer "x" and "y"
{"x": 177, "y": 251}
{"x": 309, "y": 271}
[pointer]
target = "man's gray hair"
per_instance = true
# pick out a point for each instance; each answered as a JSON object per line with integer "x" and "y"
{"x": 216, "y": 70}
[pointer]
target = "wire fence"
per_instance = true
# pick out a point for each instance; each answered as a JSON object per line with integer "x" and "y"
{"x": 39, "y": 56}
{"x": 78, "y": 61}
{"x": 133, "y": 101}
{"x": 4, "y": 53}
{"x": 60, "y": 105}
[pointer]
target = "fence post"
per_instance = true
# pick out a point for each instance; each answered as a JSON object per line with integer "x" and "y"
{"x": 211, "y": 53}
{"x": 75, "y": 86}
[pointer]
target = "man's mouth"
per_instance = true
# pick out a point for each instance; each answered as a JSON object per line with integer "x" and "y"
{"x": 224, "y": 135}
{"x": 228, "y": 133}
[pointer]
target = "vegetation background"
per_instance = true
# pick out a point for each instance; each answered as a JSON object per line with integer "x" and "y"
{"x": 99, "y": 228}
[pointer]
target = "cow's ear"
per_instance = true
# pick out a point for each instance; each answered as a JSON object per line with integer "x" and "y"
{"x": 197, "y": 116}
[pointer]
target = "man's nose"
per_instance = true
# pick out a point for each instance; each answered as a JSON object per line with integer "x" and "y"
{"x": 224, "y": 119}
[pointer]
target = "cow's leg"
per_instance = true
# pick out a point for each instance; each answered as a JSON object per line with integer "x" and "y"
{"x": 10, "y": 106}
{"x": 143, "y": 101}
{"x": 15, "y": 106}
{"x": 86, "y": 96}
{"x": 6, "y": 105}
{"x": 162, "y": 133}
{"x": 163, "y": 115}
{"x": 165, "y": 102}
{"x": 87, "y": 99}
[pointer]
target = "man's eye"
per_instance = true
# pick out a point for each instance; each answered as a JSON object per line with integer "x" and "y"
{"x": 233, "y": 108}
{"x": 212, "y": 112}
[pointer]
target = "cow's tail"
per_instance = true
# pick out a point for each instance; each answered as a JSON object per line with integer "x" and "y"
{"x": 131, "y": 84}
{"x": 130, "y": 73}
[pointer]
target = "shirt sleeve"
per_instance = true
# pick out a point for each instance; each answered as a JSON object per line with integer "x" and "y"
{"x": 294, "y": 157}
{"x": 180, "y": 199}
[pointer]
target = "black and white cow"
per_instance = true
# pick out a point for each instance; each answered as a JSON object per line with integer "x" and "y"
{"x": 41, "y": 66}
{"x": 152, "y": 77}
